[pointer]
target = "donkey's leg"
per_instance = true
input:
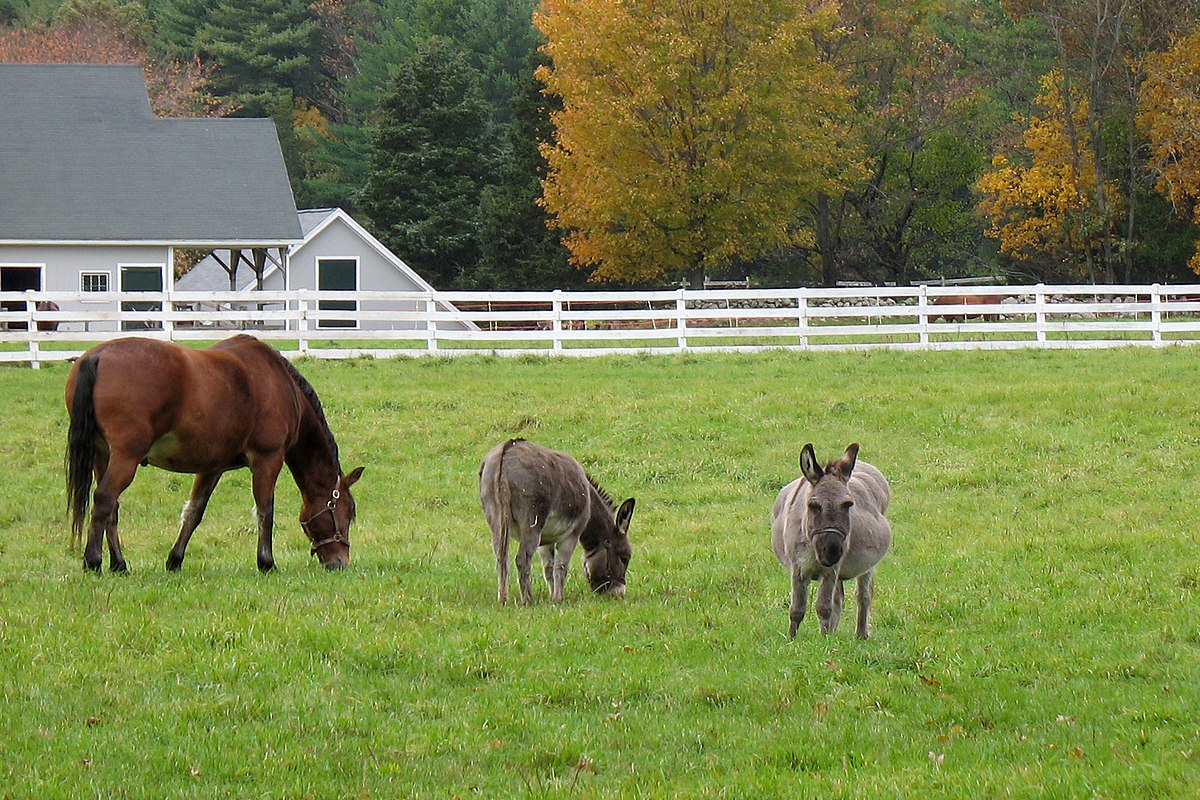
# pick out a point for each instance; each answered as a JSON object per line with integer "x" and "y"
{"x": 546, "y": 551}
{"x": 839, "y": 601}
{"x": 530, "y": 538}
{"x": 825, "y": 602}
{"x": 799, "y": 599}
{"x": 866, "y": 590}
{"x": 118, "y": 474}
{"x": 265, "y": 472}
{"x": 189, "y": 518}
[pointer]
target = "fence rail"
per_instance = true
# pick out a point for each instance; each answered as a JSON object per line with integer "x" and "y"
{"x": 385, "y": 324}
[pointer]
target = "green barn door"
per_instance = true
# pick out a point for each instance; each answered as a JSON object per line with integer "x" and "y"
{"x": 141, "y": 279}
{"x": 337, "y": 275}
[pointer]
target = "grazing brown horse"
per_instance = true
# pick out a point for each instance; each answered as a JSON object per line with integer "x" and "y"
{"x": 238, "y": 404}
{"x": 829, "y": 525}
{"x": 545, "y": 500}
{"x": 961, "y": 300}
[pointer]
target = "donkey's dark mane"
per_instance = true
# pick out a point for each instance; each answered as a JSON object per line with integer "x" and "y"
{"x": 600, "y": 491}
{"x": 310, "y": 394}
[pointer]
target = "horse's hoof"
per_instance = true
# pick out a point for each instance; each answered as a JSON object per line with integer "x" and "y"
{"x": 93, "y": 566}
{"x": 266, "y": 566}
{"x": 120, "y": 568}
{"x": 174, "y": 565}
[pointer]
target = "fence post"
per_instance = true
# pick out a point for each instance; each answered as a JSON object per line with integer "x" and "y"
{"x": 168, "y": 307}
{"x": 681, "y": 319}
{"x": 556, "y": 325}
{"x": 431, "y": 324}
{"x": 1156, "y": 316}
{"x": 923, "y": 315}
{"x": 802, "y": 317}
{"x": 1039, "y": 305}
{"x": 31, "y": 333}
{"x": 302, "y": 322}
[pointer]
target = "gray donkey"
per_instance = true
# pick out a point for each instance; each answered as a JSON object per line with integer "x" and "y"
{"x": 545, "y": 500}
{"x": 830, "y": 525}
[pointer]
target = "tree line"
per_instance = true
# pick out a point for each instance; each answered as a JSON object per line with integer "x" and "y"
{"x": 533, "y": 144}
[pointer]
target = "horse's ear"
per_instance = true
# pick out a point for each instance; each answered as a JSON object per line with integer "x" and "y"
{"x": 624, "y": 514}
{"x": 845, "y": 465}
{"x": 809, "y": 467}
{"x": 352, "y": 478}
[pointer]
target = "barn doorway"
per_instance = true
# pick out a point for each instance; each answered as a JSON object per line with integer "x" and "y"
{"x": 19, "y": 279}
{"x": 141, "y": 279}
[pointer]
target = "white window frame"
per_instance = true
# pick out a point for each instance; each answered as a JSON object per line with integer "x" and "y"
{"x": 108, "y": 278}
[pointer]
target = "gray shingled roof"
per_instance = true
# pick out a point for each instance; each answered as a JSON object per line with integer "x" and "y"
{"x": 82, "y": 159}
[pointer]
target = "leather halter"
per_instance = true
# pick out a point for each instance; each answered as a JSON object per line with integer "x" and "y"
{"x": 338, "y": 535}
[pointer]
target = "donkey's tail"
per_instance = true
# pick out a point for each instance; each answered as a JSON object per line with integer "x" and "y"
{"x": 502, "y": 491}
{"x": 81, "y": 446}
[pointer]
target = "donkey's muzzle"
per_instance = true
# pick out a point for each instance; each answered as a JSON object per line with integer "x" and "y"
{"x": 616, "y": 590}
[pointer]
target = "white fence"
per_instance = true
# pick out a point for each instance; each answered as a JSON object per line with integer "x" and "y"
{"x": 385, "y": 324}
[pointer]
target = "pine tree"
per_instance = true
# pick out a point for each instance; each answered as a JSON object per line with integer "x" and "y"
{"x": 433, "y": 153}
{"x": 519, "y": 251}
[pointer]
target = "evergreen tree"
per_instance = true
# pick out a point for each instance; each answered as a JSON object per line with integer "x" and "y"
{"x": 432, "y": 155}
{"x": 519, "y": 250}
{"x": 264, "y": 53}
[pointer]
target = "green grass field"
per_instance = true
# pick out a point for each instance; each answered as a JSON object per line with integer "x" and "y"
{"x": 1035, "y": 628}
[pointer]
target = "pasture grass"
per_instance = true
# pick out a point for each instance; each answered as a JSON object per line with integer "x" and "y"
{"x": 1034, "y": 632}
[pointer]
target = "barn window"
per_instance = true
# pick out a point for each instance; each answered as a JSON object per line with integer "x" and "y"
{"x": 93, "y": 281}
{"x": 337, "y": 275}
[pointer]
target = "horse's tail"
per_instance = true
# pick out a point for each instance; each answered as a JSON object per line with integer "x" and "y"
{"x": 81, "y": 445}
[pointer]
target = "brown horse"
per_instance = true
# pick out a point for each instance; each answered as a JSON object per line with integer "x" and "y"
{"x": 238, "y": 404}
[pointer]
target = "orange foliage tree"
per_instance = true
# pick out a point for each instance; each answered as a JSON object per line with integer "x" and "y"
{"x": 1043, "y": 205}
{"x": 1169, "y": 118}
{"x": 690, "y": 131}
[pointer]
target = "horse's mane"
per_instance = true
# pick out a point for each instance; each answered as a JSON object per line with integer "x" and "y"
{"x": 310, "y": 394}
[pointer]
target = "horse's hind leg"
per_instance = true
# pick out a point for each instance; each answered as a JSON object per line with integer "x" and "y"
{"x": 113, "y": 479}
{"x": 116, "y": 560}
{"x": 189, "y": 518}
{"x": 866, "y": 591}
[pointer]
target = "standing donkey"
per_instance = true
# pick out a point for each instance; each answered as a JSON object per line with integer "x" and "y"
{"x": 544, "y": 500}
{"x": 830, "y": 525}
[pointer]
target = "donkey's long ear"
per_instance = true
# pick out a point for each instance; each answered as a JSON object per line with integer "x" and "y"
{"x": 845, "y": 465}
{"x": 624, "y": 514}
{"x": 809, "y": 467}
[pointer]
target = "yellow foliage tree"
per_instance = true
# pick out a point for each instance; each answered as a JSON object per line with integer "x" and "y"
{"x": 691, "y": 130}
{"x": 1169, "y": 117}
{"x": 1045, "y": 207}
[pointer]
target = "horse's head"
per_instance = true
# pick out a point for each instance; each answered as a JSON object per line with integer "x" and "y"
{"x": 605, "y": 565}
{"x": 326, "y": 521}
{"x": 827, "y": 514}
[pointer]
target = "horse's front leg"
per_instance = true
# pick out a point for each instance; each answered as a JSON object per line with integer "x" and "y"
{"x": 189, "y": 518}
{"x": 265, "y": 472}
{"x": 799, "y": 599}
{"x": 827, "y": 602}
{"x": 866, "y": 591}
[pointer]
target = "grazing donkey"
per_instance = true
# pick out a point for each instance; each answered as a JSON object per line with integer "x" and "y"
{"x": 545, "y": 500}
{"x": 830, "y": 524}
